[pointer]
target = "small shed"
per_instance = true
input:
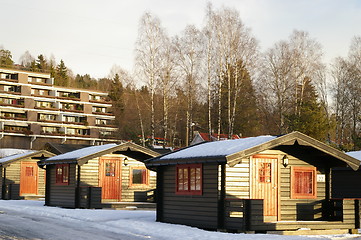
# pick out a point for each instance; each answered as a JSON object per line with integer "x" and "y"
{"x": 20, "y": 176}
{"x": 88, "y": 177}
{"x": 259, "y": 184}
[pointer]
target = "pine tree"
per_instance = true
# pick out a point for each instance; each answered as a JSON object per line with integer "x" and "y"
{"x": 311, "y": 118}
{"x": 61, "y": 75}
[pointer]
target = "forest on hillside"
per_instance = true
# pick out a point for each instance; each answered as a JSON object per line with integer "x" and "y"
{"x": 216, "y": 79}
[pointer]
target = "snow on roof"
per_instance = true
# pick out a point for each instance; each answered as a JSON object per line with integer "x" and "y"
{"x": 11, "y": 151}
{"x": 83, "y": 152}
{"x": 355, "y": 154}
{"x": 15, "y": 156}
{"x": 218, "y": 148}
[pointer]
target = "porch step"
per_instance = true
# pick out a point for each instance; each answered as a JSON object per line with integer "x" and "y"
{"x": 33, "y": 197}
{"x": 129, "y": 205}
{"x": 311, "y": 232}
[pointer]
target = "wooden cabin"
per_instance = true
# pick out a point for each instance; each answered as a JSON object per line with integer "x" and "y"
{"x": 258, "y": 184}
{"x": 88, "y": 177}
{"x": 20, "y": 176}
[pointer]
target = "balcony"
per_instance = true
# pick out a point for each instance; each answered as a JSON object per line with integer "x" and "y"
{"x": 12, "y": 102}
{"x": 10, "y": 89}
{"x": 68, "y": 95}
{"x": 40, "y": 81}
{"x": 72, "y": 107}
{"x": 13, "y": 116}
{"x": 45, "y": 105}
{"x": 105, "y": 123}
{"x": 101, "y": 111}
{"x": 99, "y": 99}
{"x": 17, "y": 129}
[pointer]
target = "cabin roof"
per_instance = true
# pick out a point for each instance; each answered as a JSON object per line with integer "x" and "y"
{"x": 60, "y": 148}
{"x": 233, "y": 151}
{"x": 29, "y": 153}
{"x": 80, "y": 156}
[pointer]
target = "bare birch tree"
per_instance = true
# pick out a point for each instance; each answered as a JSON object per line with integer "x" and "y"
{"x": 148, "y": 52}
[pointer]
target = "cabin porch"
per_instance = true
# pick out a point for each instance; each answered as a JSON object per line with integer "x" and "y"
{"x": 243, "y": 215}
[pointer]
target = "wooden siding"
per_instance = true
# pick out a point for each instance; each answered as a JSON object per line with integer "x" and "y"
{"x": 194, "y": 210}
{"x": 313, "y": 210}
{"x": 62, "y": 195}
{"x": 129, "y": 193}
{"x": 299, "y": 209}
{"x": 12, "y": 181}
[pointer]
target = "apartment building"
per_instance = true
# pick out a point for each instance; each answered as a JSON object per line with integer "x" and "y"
{"x": 33, "y": 112}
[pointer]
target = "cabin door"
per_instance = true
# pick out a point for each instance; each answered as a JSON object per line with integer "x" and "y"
{"x": 110, "y": 179}
{"x": 28, "y": 178}
{"x": 264, "y": 184}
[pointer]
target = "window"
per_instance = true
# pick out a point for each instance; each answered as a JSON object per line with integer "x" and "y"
{"x": 29, "y": 171}
{"x": 110, "y": 169}
{"x": 303, "y": 182}
{"x": 139, "y": 176}
{"x": 189, "y": 179}
{"x": 62, "y": 174}
{"x": 264, "y": 172}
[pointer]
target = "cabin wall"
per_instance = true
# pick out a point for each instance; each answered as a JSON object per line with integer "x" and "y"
{"x": 62, "y": 195}
{"x": 299, "y": 209}
{"x": 199, "y": 211}
{"x": 238, "y": 180}
{"x": 13, "y": 173}
{"x": 133, "y": 192}
{"x": 90, "y": 178}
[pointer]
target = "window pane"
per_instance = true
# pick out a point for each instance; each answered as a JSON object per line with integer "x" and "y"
{"x": 180, "y": 179}
{"x": 193, "y": 179}
{"x": 29, "y": 171}
{"x": 138, "y": 176}
{"x": 198, "y": 178}
{"x": 185, "y": 179}
{"x": 110, "y": 169}
{"x": 65, "y": 173}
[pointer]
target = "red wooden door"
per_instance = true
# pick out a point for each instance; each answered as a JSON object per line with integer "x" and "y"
{"x": 110, "y": 178}
{"x": 264, "y": 184}
{"x": 28, "y": 178}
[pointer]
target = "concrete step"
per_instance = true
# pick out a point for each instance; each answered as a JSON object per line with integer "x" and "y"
{"x": 130, "y": 205}
{"x": 311, "y": 232}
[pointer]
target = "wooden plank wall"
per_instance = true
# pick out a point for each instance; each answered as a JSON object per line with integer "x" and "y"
{"x": 199, "y": 211}
{"x": 13, "y": 178}
{"x": 62, "y": 195}
{"x": 299, "y": 209}
{"x": 136, "y": 193}
{"x": 90, "y": 177}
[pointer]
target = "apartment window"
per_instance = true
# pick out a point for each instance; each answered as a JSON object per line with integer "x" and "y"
{"x": 303, "y": 182}
{"x": 62, "y": 174}
{"x": 139, "y": 176}
{"x": 47, "y": 117}
{"x": 189, "y": 179}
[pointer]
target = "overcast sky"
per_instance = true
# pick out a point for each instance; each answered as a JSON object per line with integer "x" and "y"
{"x": 92, "y": 36}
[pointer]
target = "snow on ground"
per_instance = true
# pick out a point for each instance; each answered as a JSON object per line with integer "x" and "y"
{"x": 129, "y": 224}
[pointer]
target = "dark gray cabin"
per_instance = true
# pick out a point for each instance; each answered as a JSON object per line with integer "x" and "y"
{"x": 258, "y": 184}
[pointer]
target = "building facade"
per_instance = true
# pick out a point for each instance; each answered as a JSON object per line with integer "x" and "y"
{"x": 33, "y": 112}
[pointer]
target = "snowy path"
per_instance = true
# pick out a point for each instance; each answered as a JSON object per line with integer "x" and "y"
{"x": 31, "y": 220}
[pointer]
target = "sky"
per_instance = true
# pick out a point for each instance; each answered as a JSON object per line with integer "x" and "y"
{"x": 92, "y": 36}
{"x": 32, "y": 220}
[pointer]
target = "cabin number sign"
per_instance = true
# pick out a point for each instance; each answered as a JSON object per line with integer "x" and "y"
{"x": 321, "y": 178}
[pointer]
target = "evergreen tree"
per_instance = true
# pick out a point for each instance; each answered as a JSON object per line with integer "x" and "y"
{"x": 61, "y": 75}
{"x": 41, "y": 63}
{"x": 311, "y": 118}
